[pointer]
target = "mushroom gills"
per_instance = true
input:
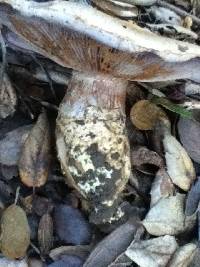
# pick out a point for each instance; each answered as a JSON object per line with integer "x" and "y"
{"x": 92, "y": 143}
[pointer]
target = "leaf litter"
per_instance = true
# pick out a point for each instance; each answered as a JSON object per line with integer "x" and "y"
{"x": 49, "y": 226}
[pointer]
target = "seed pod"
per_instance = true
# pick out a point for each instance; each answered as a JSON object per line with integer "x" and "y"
{"x": 45, "y": 234}
{"x": 145, "y": 114}
{"x": 15, "y": 232}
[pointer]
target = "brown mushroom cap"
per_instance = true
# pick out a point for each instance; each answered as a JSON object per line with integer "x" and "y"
{"x": 85, "y": 39}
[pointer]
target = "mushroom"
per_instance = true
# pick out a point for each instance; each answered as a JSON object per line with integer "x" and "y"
{"x": 105, "y": 53}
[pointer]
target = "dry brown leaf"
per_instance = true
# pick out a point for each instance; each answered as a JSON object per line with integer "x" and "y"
{"x": 189, "y": 132}
{"x": 45, "y": 233}
{"x": 179, "y": 165}
{"x": 165, "y": 15}
{"x": 141, "y": 155}
{"x": 154, "y": 252}
{"x": 11, "y": 144}
{"x": 167, "y": 217}
{"x": 162, "y": 187}
{"x": 193, "y": 198}
{"x": 145, "y": 114}
{"x": 195, "y": 6}
{"x": 196, "y": 259}
{"x": 35, "y": 158}
{"x": 183, "y": 256}
{"x": 15, "y": 232}
{"x": 79, "y": 251}
{"x": 112, "y": 246}
{"x": 140, "y": 181}
{"x": 8, "y": 98}
{"x": 121, "y": 261}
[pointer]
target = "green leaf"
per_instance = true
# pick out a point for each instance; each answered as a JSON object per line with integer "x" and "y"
{"x": 172, "y": 107}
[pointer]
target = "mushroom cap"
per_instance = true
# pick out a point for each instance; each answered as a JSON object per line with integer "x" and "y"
{"x": 78, "y": 36}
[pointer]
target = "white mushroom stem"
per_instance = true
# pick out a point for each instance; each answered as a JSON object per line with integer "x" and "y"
{"x": 91, "y": 141}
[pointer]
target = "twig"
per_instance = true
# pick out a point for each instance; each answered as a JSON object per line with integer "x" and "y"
{"x": 139, "y": 2}
{"x": 45, "y": 104}
{"x": 4, "y": 61}
{"x": 47, "y": 74}
{"x": 192, "y": 104}
{"x": 21, "y": 96}
{"x": 37, "y": 251}
{"x": 17, "y": 195}
{"x": 178, "y": 10}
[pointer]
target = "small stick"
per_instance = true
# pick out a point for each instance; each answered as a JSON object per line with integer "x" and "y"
{"x": 45, "y": 104}
{"x": 192, "y": 104}
{"x": 37, "y": 251}
{"x": 48, "y": 76}
{"x": 138, "y": 2}
{"x": 23, "y": 101}
{"x": 4, "y": 61}
{"x": 17, "y": 195}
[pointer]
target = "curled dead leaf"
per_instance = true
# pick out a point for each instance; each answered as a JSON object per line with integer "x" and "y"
{"x": 15, "y": 232}
{"x": 196, "y": 259}
{"x": 162, "y": 187}
{"x": 79, "y": 251}
{"x": 189, "y": 132}
{"x": 153, "y": 252}
{"x": 165, "y": 15}
{"x": 8, "y": 98}
{"x": 195, "y": 6}
{"x": 145, "y": 114}
{"x": 111, "y": 246}
{"x": 193, "y": 198}
{"x": 179, "y": 165}
{"x": 35, "y": 158}
{"x": 11, "y": 144}
{"x": 183, "y": 256}
{"x": 121, "y": 261}
{"x": 45, "y": 234}
{"x": 167, "y": 217}
{"x": 141, "y": 155}
{"x": 162, "y": 127}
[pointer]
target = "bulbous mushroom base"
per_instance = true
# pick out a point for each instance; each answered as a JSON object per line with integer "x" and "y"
{"x": 92, "y": 146}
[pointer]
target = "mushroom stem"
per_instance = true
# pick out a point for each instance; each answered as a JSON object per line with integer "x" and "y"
{"x": 92, "y": 143}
